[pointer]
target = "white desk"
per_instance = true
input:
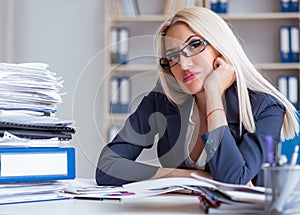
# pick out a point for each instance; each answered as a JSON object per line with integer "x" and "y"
{"x": 167, "y": 204}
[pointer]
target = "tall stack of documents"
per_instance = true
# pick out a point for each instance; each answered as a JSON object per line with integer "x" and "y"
{"x": 29, "y": 96}
{"x": 29, "y": 87}
{"x": 34, "y": 144}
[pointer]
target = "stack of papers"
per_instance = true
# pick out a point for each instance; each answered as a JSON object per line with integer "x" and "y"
{"x": 214, "y": 197}
{"x": 29, "y": 87}
{"x": 88, "y": 189}
{"x": 32, "y": 138}
{"x": 12, "y": 193}
{"x": 29, "y": 96}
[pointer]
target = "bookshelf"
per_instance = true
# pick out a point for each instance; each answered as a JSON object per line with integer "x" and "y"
{"x": 256, "y": 23}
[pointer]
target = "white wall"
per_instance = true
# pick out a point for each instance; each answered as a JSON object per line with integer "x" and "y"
{"x": 2, "y": 27}
{"x": 66, "y": 34}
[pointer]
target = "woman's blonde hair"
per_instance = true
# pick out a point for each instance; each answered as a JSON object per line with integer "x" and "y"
{"x": 215, "y": 30}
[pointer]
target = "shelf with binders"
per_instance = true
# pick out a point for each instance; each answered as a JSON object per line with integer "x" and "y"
{"x": 227, "y": 16}
{"x": 260, "y": 16}
{"x": 287, "y": 82}
{"x": 264, "y": 46}
{"x": 137, "y": 68}
{"x": 269, "y": 22}
{"x": 263, "y": 12}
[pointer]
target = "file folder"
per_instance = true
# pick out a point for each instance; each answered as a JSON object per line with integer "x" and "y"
{"x": 294, "y": 6}
{"x": 285, "y": 5}
{"x": 123, "y": 45}
{"x": 36, "y": 164}
{"x": 114, "y": 95}
{"x": 293, "y": 90}
{"x": 124, "y": 94}
{"x": 288, "y": 86}
{"x": 31, "y": 134}
{"x": 223, "y": 5}
{"x": 294, "y": 31}
{"x": 285, "y": 44}
{"x": 219, "y": 6}
{"x": 114, "y": 45}
{"x": 214, "y": 5}
{"x": 120, "y": 93}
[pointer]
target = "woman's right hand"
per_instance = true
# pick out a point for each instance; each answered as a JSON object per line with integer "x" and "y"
{"x": 221, "y": 78}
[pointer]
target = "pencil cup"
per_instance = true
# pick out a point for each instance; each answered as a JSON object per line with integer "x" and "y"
{"x": 282, "y": 189}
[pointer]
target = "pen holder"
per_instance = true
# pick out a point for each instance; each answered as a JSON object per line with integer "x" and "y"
{"x": 282, "y": 189}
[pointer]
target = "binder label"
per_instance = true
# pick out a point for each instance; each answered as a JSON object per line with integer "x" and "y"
{"x": 33, "y": 164}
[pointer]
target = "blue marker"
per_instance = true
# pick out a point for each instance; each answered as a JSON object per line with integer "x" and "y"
{"x": 269, "y": 140}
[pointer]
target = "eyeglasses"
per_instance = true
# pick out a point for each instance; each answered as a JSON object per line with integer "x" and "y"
{"x": 191, "y": 49}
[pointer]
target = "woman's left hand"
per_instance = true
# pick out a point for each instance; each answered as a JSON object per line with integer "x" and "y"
{"x": 221, "y": 78}
{"x": 250, "y": 184}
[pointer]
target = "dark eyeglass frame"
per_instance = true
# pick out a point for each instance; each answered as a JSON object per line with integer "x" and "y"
{"x": 164, "y": 61}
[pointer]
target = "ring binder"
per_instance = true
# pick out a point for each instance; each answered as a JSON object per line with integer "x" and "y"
{"x": 36, "y": 164}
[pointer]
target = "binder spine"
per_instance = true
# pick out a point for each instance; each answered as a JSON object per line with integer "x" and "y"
{"x": 123, "y": 45}
{"x": 124, "y": 94}
{"x": 114, "y": 95}
{"x": 294, "y": 31}
{"x": 214, "y": 5}
{"x": 120, "y": 94}
{"x": 114, "y": 46}
{"x": 288, "y": 86}
{"x": 223, "y": 5}
{"x": 284, "y": 5}
{"x": 294, "y": 6}
{"x": 293, "y": 90}
{"x": 219, "y": 6}
{"x": 285, "y": 44}
{"x": 36, "y": 164}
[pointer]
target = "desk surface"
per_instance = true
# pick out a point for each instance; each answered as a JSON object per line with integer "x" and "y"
{"x": 166, "y": 204}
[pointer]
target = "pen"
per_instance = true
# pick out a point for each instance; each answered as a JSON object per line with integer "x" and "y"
{"x": 294, "y": 156}
{"x": 96, "y": 198}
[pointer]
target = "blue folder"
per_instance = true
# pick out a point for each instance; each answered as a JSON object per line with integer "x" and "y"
{"x": 36, "y": 164}
{"x": 289, "y": 145}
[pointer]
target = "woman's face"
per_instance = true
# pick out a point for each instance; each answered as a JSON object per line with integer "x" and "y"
{"x": 190, "y": 72}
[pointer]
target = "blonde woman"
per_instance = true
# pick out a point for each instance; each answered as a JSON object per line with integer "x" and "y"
{"x": 211, "y": 110}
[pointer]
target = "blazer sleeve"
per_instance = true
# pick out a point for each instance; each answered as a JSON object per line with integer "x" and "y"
{"x": 117, "y": 163}
{"x": 239, "y": 162}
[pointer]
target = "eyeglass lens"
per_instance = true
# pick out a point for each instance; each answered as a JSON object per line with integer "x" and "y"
{"x": 194, "y": 47}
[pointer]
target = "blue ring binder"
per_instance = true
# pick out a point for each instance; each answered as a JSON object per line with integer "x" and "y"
{"x": 69, "y": 158}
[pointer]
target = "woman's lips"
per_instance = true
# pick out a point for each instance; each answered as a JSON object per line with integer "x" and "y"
{"x": 188, "y": 76}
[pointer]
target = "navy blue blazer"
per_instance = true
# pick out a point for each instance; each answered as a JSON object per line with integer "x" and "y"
{"x": 235, "y": 155}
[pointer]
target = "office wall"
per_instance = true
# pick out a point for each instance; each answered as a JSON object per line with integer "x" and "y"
{"x": 66, "y": 34}
{"x": 2, "y": 27}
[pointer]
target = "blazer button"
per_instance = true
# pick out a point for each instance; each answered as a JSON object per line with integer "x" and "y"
{"x": 209, "y": 141}
{"x": 212, "y": 150}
